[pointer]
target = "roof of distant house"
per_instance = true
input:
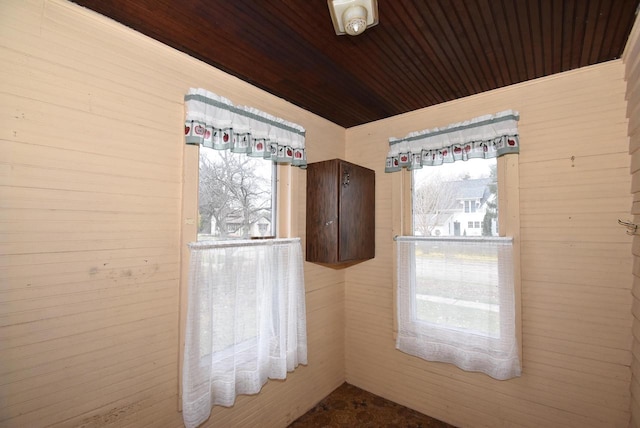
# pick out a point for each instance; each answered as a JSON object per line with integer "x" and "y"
{"x": 476, "y": 188}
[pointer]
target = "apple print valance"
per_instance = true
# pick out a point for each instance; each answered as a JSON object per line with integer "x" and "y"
{"x": 483, "y": 137}
{"x": 213, "y": 121}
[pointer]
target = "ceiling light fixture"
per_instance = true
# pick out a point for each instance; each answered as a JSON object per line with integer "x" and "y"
{"x": 352, "y": 17}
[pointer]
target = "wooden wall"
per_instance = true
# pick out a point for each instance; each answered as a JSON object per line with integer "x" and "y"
{"x": 91, "y": 153}
{"x": 576, "y": 264}
{"x": 631, "y": 59}
{"x": 90, "y": 197}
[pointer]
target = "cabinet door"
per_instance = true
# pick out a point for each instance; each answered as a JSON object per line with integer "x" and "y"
{"x": 356, "y": 212}
{"x": 322, "y": 212}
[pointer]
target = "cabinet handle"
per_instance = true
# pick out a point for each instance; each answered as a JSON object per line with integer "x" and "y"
{"x": 345, "y": 178}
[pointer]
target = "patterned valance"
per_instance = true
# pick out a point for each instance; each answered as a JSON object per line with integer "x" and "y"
{"x": 484, "y": 137}
{"x": 213, "y": 121}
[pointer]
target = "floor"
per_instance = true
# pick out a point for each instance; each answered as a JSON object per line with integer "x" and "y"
{"x": 349, "y": 406}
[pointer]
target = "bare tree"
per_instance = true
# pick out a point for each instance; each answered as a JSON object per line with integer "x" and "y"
{"x": 432, "y": 199}
{"x": 230, "y": 188}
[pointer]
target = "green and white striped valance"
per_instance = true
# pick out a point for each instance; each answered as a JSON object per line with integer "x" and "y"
{"x": 213, "y": 121}
{"x": 483, "y": 137}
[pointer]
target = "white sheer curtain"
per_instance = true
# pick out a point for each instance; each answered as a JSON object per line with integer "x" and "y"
{"x": 456, "y": 303}
{"x": 246, "y": 321}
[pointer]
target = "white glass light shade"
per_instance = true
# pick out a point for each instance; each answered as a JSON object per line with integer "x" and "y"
{"x": 353, "y": 16}
{"x": 354, "y": 20}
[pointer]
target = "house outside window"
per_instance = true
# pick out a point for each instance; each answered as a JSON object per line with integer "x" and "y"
{"x": 458, "y": 199}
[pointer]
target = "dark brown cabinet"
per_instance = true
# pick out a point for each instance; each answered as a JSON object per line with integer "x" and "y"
{"x": 340, "y": 213}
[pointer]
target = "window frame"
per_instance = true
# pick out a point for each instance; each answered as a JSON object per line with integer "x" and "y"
{"x": 470, "y": 205}
{"x": 508, "y": 219}
{"x": 231, "y": 227}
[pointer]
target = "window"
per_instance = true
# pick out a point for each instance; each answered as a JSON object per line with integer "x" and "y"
{"x": 451, "y": 195}
{"x": 457, "y": 274}
{"x": 244, "y": 157}
{"x": 457, "y": 263}
{"x": 444, "y": 294}
{"x": 231, "y": 188}
{"x": 236, "y": 196}
{"x": 469, "y": 206}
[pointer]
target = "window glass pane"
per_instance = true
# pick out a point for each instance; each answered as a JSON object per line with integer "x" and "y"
{"x": 457, "y": 286}
{"x": 456, "y": 199}
{"x": 235, "y": 196}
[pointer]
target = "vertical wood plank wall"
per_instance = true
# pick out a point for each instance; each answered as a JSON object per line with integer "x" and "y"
{"x": 90, "y": 204}
{"x": 631, "y": 59}
{"x": 575, "y": 259}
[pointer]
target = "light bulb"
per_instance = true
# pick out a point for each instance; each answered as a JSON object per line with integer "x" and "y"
{"x": 355, "y": 20}
{"x": 352, "y": 17}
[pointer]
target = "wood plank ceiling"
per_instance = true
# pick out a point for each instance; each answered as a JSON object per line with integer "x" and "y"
{"x": 420, "y": 54}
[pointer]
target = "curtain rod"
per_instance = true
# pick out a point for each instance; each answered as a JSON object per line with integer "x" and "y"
{"x": 240, "y": 243}
{"x": 454, "y": 238}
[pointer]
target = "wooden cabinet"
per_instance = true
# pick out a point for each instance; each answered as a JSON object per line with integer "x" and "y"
{"x": 340, "y": 213}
